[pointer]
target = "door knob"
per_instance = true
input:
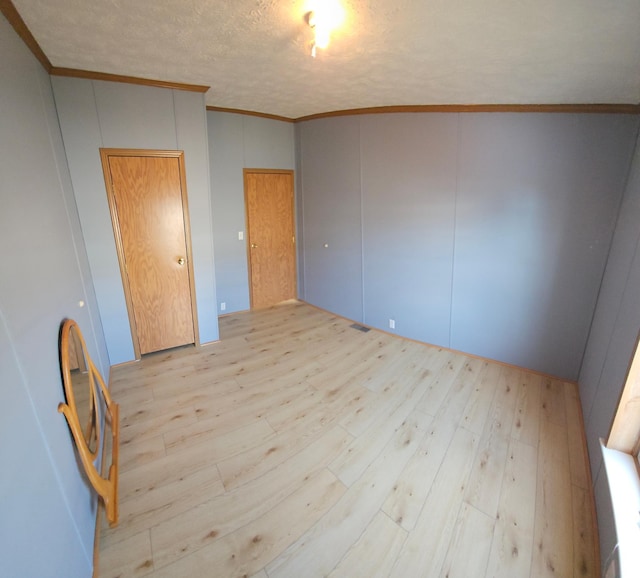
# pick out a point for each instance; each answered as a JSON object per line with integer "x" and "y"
{"x": 253, "y": 245}
{"x": 181, "y": 261}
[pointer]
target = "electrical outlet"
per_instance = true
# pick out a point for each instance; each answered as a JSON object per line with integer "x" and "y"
{"x": 392, "y": 323}
{"x": 223, "y": 306}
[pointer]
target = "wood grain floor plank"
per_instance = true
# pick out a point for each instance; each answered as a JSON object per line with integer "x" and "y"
{"x": 322, "y": 547}
{"x": 267, "y": 454}
{"x": 585, "y": 560}
{"x": 425, "y": 549}
{"x": 443, "y": 464}
{"x": 553, "y": 554}
{"x": 439, "y": 387}
{"x": 512, "y": 543}
{"x": 143, "y": 451}
{"x": 164, "y": 470}
{"x": 165, "y": 502}
{"x": 226, "y": 445}
{"x": 250, "y": 548}
{"x": 578, "y": 458}
{"x": 407, "y": 497}
{"x": 526, "y": 421}
{"x": 364, "y": 449}
{"x": 470, "y": 546}
{"x": 136, "y": 560}
{"x": 480, "y": 400}
{"x": 389, "y": 391}
{"x": 552, "y": 395}
{"x": 223, "y": 514}
{"x": 485, "y": 482}
{"x": 374, "y": 554}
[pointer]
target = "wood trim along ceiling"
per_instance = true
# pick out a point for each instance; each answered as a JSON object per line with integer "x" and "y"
{"x": 75, "y": 73}
{"x": 251, "y": 113}
{"x": 13, "y": 17}
{"x": 11, "y": 14}
{"x": 453, "y": 108}
{"x": 555, "y": 108}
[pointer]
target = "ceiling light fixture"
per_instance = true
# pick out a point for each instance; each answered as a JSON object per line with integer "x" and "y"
{"x": 326, "y": 16}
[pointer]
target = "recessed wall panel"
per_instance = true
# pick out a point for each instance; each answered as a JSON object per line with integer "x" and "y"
{"x": 226, "y": 160}
{"x": 237, "y": 142}
{"x": 96, "y": 114}
{"x": 47, "y": 514}
{"x": 537, "y": 202}
{"x": 78, "y": 118}
{"x": 135, "y": 116}
{"x": 330, "y": 153}
{"x": 191, "y": 134}
{"x": 409, "y": 190}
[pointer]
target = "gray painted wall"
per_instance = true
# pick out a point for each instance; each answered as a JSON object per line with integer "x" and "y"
{"x": 615, "y": 328}
{"x": 332, "y": 215}
{"x": 486, "y": 233}
{"x": 95, "y": 114}
{"x": 408, "y": 184}
{"x": 237, "y": 142}
{"x": 47, "y": 512}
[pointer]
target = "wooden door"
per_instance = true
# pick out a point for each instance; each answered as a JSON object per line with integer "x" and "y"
{"x": 147, "y": 197}
{"x": 271, "y": 236}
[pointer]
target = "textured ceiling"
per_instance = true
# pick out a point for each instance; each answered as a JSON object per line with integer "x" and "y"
{"x": 255, "y": 54}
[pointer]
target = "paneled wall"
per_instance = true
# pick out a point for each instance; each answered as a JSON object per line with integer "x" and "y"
{"x": 408, "y": 182}
{"x": 47, "y": 512}
{"x": 237, "y": 142}
{"x": 486, "y": 233}
{"x": 95, "y": 114}
{"x": 615, "y": 328}
{"x": 330, "y": 197}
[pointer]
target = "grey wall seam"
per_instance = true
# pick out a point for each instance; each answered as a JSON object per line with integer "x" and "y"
{"x": 297, "y": 162}
{"x": 95, "y": 104}
{"x": 210, "y": 205}
{"x": 175, "y": 121}
{"x": 244, "y": 156}
{"x": 304, "y": 226}
{"x": 619, "y": 309}
{"x": 90, "y": 312}
{"x": 455, "y": 217}
{"x": 604, "y": 272}
{"x": 362, "y": 272}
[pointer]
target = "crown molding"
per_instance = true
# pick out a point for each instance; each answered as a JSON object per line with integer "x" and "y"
{"x": 13, "y": 17}
{"x": 251, "y": 113}
{"x": 92, "y": 75}
{"x": 464, "y": 108}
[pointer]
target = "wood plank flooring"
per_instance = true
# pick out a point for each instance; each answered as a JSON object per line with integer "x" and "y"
{"x": 298, "y": 446}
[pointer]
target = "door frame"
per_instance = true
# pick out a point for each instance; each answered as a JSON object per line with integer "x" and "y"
{"x": 246, "y": 172}
{"x": 105, "y": 154}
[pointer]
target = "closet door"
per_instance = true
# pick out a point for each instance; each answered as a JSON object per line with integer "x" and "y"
{"x": 148, "y": 201}
{"x": 271, "y": 238}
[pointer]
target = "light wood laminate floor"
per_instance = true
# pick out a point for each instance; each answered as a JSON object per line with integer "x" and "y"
{"x": 301, "y": 447}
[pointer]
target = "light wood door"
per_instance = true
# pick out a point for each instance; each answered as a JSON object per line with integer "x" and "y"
{"x": 150, "y": 217}
{"x": 271, "y": 236}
